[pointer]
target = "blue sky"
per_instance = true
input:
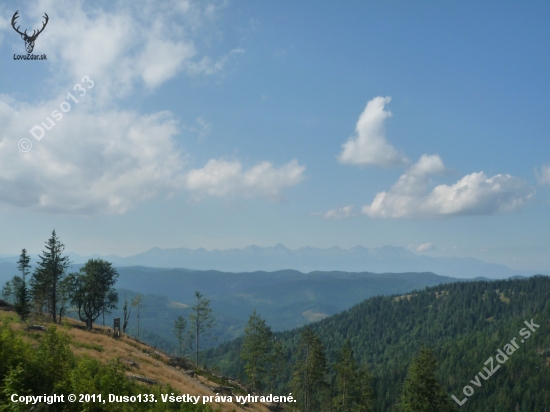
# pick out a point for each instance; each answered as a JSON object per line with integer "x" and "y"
{"x": 225, "y": 124}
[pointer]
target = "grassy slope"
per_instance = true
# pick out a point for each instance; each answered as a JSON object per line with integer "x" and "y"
{"x": 98, "y": 344}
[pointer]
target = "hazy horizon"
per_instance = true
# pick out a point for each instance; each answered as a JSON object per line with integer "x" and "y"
{"x": 384, "y": 259}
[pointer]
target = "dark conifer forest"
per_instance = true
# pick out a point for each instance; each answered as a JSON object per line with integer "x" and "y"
{"x": 463, "y": 324}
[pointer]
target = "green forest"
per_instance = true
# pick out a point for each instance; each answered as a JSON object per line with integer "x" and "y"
{"x": 462, "y": 324}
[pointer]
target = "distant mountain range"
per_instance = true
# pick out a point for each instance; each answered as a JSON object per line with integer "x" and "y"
{"x": 307, "y": 259}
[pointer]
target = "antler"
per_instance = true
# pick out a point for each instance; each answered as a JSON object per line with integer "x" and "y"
{"x": 34, "y": 36}
{"x": 15, "y": 17}
{"x": 34, "y": 33}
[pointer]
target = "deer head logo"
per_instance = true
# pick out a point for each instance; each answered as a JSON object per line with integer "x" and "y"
{"x": 29, "y": 40}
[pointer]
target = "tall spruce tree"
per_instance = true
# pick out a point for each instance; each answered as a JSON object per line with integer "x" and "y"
{"x": 256, "y": 350}
{"x": 201, "y": 321}
{"x": 308, "y": 382}
{"x": 421, "y": 390}
{"x": 278, "y": 364}
{"x": 366, "y": 396}
{"x": 22, "y": 302}
{"x": 352, "y": 390}
{"x": 347, "y": 379}
{"x": 50, "y": 271}
{"x": 180, "y": 324}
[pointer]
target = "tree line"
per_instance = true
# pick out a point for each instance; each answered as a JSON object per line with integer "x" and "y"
{"x": 90, "y": 292}
{"x": 49, "y": 289}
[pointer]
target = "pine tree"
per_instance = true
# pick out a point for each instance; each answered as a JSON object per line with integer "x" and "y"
{"x": 180, "y": 324}
{"x": 126, "y": 315}
{"x": 136, "y": 302}
{"x": 256, "y": 349}
{"x": 201, "y": 320}
{"x": 48, "y": 274}
{"x": 346, "y": 379}
{"x": 278, "y": 365}
{"x": 310, "y": 371}
{"x": 421, "y": 390}
{"x": 22, "y": 302}
{"x": 353, "y": 384}
{"x": 365, "y": 395}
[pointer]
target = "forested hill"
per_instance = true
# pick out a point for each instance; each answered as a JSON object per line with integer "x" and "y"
{"x": 287, "y": 298}
{"x": 464, "y": 323}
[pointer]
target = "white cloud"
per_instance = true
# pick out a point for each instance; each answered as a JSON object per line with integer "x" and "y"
{"x": 369, "y": 145}
{"x": 415, "y": 181}
{"x": 410, "y": 197}
{"x": 544, "y": 175}
{"x": 221, "y": 178}
{"x": 161, "y": 60}
{"x": 474, "y": 194}
{"x": 425, "y": 247}
{"x": 90, "y": 163}
{"x": 339, "y": 213}
{"x": 207, "y": 66}
{"x": 87, "y": 164}
{"x": 205, "y": 127}
{"x": 101, "y": 159}
{"x": 4, "y": 24}
{"x": 202, "y": 128}
{"x": 125, "y": 44}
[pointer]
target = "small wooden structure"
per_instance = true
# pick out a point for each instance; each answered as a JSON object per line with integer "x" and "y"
{"x": 116, "y": 327}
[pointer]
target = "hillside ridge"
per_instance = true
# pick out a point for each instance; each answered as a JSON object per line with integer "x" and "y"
{"x": 145, "y": 364}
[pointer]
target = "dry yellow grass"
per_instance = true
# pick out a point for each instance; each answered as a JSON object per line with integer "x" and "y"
{"x": 98, "y": 344}
{"x": 408, "y": 297}
{"x": 503, "y": 298}
{"x": 443, "y": 293}
{"x": 313, "y": 316}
